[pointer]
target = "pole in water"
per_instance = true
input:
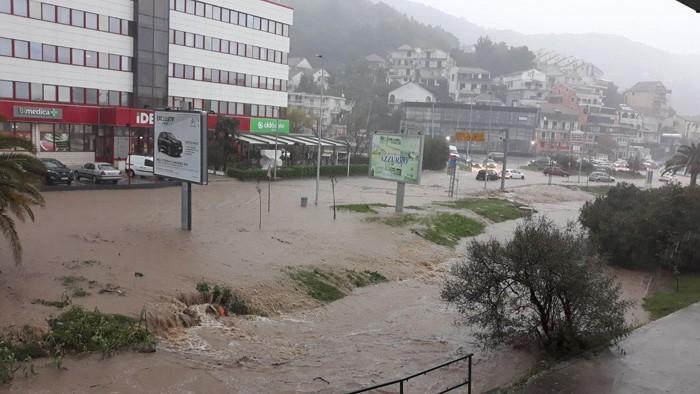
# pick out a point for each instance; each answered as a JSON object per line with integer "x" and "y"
{"x": 400, "y": 194}
{"x": 333, "y": 182}
{"x": 186, "y": 207}
{"x": 269, "y": 192}
{"x": 505, "y": 160}
{"x": 260, "y": 209}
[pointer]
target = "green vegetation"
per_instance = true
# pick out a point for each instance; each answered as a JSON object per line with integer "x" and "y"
{"x": 492, "y": 209}
{"x": 62, "y": 303}
{"x": 435, "y": 152}
{"x": 328, "y": 286}
{"x": 669, "y": 300}
{"x": 447, "y": 229}
{"x": 225, "y": 297}
{"x": 686, "y": 159}
{"x": 595, "y": 190}
{"x": 298, "y": 172}
{"x": 74, "y": 284}
{"x": 397, "y": 220}
{"x": 361, "y": 208}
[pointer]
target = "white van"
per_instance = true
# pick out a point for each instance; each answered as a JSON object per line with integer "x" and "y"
{"x": 139, "y": 165}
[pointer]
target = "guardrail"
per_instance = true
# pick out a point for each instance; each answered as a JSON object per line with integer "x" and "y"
{"x": 400, "y": 382}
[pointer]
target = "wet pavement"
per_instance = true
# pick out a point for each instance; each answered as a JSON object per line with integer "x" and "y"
{"x": 661, "y": 357}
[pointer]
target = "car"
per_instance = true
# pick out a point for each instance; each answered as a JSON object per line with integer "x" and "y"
{"x": 540, "y": 162}
{"x": 492, "y": 175}
{"x": 556, "y": 171}
{"x": 139, "y": 166}
{"x": 496, "y": 156}
{"x": 514, "y": 174}
{"x": 669, "y": 179}
{"x": 168, "y": 144}
{"x": 98, "y": 172}
{"x": 599, "y": 176}
{"x": 56, "y": 172}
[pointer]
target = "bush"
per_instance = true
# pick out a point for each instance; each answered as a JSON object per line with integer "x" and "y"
{"x": 435, "y": 153}
{"x": 299, "y": 172}
{"x": 544, "y": 285}
{"x": 646, "y": 229}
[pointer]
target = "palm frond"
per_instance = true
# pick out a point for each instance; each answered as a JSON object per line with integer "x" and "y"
{"x": 7, "y": 142}
{"x": 7, "y": 226}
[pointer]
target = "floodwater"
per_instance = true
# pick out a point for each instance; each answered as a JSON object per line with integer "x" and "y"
{"x": 103, "y": 239}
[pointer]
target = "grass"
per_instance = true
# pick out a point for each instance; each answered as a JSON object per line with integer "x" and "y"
{"x": 361, "y": 208}
{"x": 595, "y": 190}
{"x": 225, "y": 297}
{"x": 668, "y": 301}
{"x": 328, "y": 286}
{"x": 62, "y": 303}
{"x": 397, "y": 220}
{"x": 447, "y": 229}
{"x": 492, "y": 209}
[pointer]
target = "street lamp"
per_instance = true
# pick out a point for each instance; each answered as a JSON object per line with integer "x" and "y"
{"x": 320, "y": 124}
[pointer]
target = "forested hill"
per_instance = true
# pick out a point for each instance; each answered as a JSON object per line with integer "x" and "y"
{"x": 347, "y": 30}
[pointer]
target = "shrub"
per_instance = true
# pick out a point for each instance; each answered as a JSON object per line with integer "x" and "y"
{"x": 435, "y": 153}
{"x": 298, "y": 172}
{"x": 544, "y": 285}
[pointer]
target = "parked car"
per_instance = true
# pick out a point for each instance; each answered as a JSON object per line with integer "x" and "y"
{"x": 669, "y": 179}
{"x": 492, "y": 175}
{"x": 555, "y": 171}
{"x": 98, "y": 172}
{"x": 496, "y": 156}
{"x": 514, "y": 174}
{"x": 600, "y": 177}
{"x": 540, "y": 162}
{"x": 139, "y": 165}
{"x": 168, "y": 144}
{"x": 57, "y": 172}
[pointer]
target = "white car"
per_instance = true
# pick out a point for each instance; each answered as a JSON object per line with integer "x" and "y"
{"x": 139, "y": 165}
{"x": 514, "y": 174}
{"x": 98, "y": 172}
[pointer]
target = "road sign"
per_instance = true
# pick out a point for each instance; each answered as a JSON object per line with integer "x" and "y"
{"x": 470, "y": 137}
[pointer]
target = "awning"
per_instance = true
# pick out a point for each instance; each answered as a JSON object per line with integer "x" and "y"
{"x": 288, "y": 139}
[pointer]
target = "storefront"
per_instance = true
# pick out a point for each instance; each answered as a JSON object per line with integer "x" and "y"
{"x": 77, "y": 134}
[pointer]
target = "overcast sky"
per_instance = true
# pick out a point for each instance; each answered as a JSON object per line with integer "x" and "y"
{"x": 665, "y": 24}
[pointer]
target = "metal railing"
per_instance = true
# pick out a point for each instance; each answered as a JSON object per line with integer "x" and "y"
{"x": 400, "y": 382}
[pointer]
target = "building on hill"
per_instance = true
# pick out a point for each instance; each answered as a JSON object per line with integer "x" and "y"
{"x": 524, "y": 88}
{"x": 649, "y": 97}
{"x": 409, "y": 92}
{"x": 333, "y": 109}
{"x": 467, "y": 83}
{"x": 557, "y": 124}
{"x": 376, "y": 62}
{"x": 424, "y": 66}
{"x": 300, "y": 63}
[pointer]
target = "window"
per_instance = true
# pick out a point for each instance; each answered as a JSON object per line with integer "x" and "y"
{"x": 249, "y": 51}
{"x": 5, "y": 89}
{"x": 49, "y": 53}
{"x": 189, "y": 7}
{"x": 189, "y": 72}
{"x": 254, "y": 110}
{"x": 91, "y": 58}
{"x": 234, "y": 17}
{"x": 199, "y": 41}
{"x": 21, "y": 49}
{"x": 207, "y": 75}
{"x": 215, "y": 76}
{"x": 285, "y": 30}
{"x": 180, "y": 5}
{"x": 77, "y": 18}
{"x": 64, "y": 94}
{"x": 208, "y": 13}
{"x": 5, "y": 7}
{"x": 91, "y": 20}
{"x": 256, "y": 23}
{"x": 126, "y": 63}
{"x": 21, "y": 90}
{"x": 114, "y": 25}
{"x": 125, "y": 99}
{"x": 103, "y": 97}
{"x": 215, "y": 44}
{"x": 5, "y": 47}
{"x": 189, "y": 39}
{"x": 199, "y": 10}
{"x": 77, "y": 142}
{"x": 225, "y": 46}
{"x": 49, "y": 93}
{"x": 79, "y": 95}
{"x": 207, "y": 43}
{"x": 63, "y": 15}
{"x": 114, "y": 62}
{"x": 125, "y": 27}
{"x": 78, "y": 57}
{"x": 180, "y": 37}
{"x": 216, "y": 11}
{"x": 104, "y": 23}
{"x": 255, "y": 81}
{"x": 198, "y": 73}
{"x": 64, "y": 55}
{"x": 242, "y": 49}
{"x": 103, "y": 60}
{"x": 263, "y": 54}
{"x": 223, "y": 77}
{"x": 179, "y": 71}
{"x": 48, "y": 12}
{"x": 250, "y": 21}
{"x": 37, "y": 92}
{"x": 242, "y": 18}
{"x": 225, "y": 15}
{"x": 114, "y": 98}
{"x": 35, "y": 51}
{"x": 278, "y": 29}
{"x": 264, "y": 25}
{"x": 19, "y": 7}
{"x": 248, "y": 81}
{"x": 256, "y": 52}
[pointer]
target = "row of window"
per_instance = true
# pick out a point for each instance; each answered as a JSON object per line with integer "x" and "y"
{"x": 56, "y": 54}
{"x": 193, "y": 40}
{"x": 205, "y": 74}
{"x": 226, "y": 15}
{"x": 63, "y": 94}
{"x": 66, "y": 16}
{"x": 66, "y": 137}
{"x": 230, "y": 108}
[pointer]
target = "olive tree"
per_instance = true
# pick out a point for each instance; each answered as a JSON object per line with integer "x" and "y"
{"x": 543, "y": 286}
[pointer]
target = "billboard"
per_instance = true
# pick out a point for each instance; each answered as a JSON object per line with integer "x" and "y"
{"x": 267, "y": 126}
{"x": 470, "y": 137}
{"x": 181, "y": 146}
{"x": 396, "y": 157}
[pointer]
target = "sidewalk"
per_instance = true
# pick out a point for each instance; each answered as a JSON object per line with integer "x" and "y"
{"x": 661, "y": 357}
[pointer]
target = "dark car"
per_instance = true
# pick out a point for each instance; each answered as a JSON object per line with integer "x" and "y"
{"x": 555, "y": 171}
{"x": 57, "y": 172}
{"x": 168, "y": 144}
{"x": 492, "y": 175}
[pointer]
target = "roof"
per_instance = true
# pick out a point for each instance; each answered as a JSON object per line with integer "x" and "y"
{"x": 288, "y": 139}
{"x": 405, "y": 47}
{"x": 647, "y": 86}
{"x": 411, "y": 85}
{"x": 472, "y": 70}
{"x": 295, "y": 61}
{"x": 374, "y": 58}
{"x": 549, "y": 108}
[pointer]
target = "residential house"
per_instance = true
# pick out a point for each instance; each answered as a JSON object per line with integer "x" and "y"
{"x": 333, "y": 107}
{"x": 410, "y": 92}
{"x": 648, "y": 97}
{"x": 555, "y": 127}
{"x": 427, "y": 67}
{"x": 467, "y": 83}
{"x": 376, "y": 62}
{"x": 525, "y": 88}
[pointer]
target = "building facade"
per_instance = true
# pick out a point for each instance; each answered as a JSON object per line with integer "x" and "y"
{"x": 524, "y": 88}
{"x": 648, "y": 97}
{"x": 467, "y": 83}
{"x": 333, "y": 108}
{"x": 424, "y": 66}
{"x": 557, "y": 130}
{"x": 446, "y": 119}
{"x": 410, "y": 92}
{"x": 81, "y": 78}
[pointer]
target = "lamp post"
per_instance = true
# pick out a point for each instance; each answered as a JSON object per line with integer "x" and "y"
{"x": 320, "y": 124}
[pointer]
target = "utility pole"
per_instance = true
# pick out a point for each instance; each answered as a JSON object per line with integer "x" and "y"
{"x": 505, "y": 160}
{"x": 320, "y": 125}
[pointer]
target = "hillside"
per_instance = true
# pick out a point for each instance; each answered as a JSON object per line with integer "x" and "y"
{"x": 624, "y": 61}
{"x": 345, "y": 31}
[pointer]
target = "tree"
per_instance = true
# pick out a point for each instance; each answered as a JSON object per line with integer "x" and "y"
{"x": 299, "y": 120}
{"x": 606, "y": 144}
{"x": 20, "y": 173}
{"x": 435, "y": 153}
{"x": 221, "y": 143}
{"x": 613, "y": 97}
{"x": 544, "y": 285}
{"x": 687, "y": 158}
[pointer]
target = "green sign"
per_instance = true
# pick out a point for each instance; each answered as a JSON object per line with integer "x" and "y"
{"x": 396, "y": 157}
{"x": 37, "y": 112}
{"x": 269, "y": 126}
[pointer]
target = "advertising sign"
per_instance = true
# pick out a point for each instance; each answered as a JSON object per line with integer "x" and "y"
{"x": 37, "y": 112}
{"x": 181, "y": 146}
{"x": 396, "y": 157}
{"x": 266, "y": 126}
{"x": 470, "y": 137}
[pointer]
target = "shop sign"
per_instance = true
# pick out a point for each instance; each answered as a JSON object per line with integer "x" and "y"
{"x": 263, "y": 126}
{"x": 37, "y": 112}
{"x": 470, "y": 137}
{"x": 145, "y": 118}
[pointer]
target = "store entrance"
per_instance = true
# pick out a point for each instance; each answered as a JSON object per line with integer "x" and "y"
{"x": 104, "y": 145}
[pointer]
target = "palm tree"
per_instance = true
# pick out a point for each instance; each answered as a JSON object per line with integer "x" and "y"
{"x": 20, "y": 173}
{"x": 687, "y": 158}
